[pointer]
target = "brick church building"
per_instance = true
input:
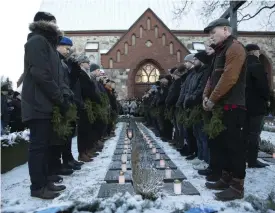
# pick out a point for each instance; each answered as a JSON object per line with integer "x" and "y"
{"x": 135, "y": 57}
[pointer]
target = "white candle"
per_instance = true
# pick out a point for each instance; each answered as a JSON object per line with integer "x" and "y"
{"x": 123, "y": 167}
{"x": 273, "y": 155}
{"x": 121, "y": 178}
{"x": 162, "y": 163}
{"x": 168, "y": 172}
{"x": 154, "y": 150}
{"x": 157, "y": 156}
{"x": 177, "y": 187}
{"x": 150, "y": 145}
{"x": 124, "y": 157}
{"x": 126, "y": 146}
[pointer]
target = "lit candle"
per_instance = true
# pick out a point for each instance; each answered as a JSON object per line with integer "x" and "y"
{"x": 126, "y": 146}
{"x": 168, "y": 172}
{"x": 123, "y": 166}
{"x": 150, "y": 145}
{"x": 157, "y": 156}
{"x": 121, "y": 178}
{"x": 124, "y": 157}
{"x": 177, "y": 187}
{"x": 154, "y": 150}
{"x": 273, "y": 155}
{"x": 162, "y": 163}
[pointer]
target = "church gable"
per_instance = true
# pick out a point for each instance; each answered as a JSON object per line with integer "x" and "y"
{"x": 147, "y": 38}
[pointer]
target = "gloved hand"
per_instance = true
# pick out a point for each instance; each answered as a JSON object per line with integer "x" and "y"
{"x": 64, "y": 106}
{"x": 204, "y": 103}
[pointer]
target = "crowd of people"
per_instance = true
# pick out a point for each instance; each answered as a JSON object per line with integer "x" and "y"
{"x": 61, "y": 91}
{"x": 214, "y": 106}
{"x": 131, "y": 107}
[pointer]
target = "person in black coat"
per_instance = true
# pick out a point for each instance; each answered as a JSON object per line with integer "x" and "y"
{"x": 5, "y": 114}
{"x": 41, "y": 91}
{"x": 257, "y": 96}
{"x": 193, "y": 98}
{"x": 16, "y": 118}
{"x": 87, "y": 135}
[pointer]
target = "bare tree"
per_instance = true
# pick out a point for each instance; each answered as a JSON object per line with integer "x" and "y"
{"x": 248, "y": 11}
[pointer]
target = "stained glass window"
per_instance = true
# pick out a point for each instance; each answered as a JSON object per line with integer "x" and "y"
{"x": 147, "y": 74}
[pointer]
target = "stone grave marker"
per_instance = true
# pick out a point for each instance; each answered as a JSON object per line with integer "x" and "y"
{"x": 118, "y": 157}
{"x": 112, "y": 176}
{"x": 122, "y": 146}
{"x": 110, "y": 189}
{"x": 186, "y": 188}
{"x": 116, "y": 165}
{"x": 175, "y": 175}
{"x": 167, "y": 164}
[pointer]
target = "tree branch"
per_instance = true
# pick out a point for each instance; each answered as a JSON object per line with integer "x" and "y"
{"x": 250, "y": 17}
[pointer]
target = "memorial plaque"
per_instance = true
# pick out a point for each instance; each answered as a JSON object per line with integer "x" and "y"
{"x": 186, "y": 189}
{"x": 167, "y": 164}
{"x": 164, "y": 156}
{"x": 118, "y": 158}
{"x": 112, "y": 176}
{"x": 264, "y": 155}
{"x": 175, "y": 175}
{"x": 120, "y": 152}
{"x": 110, "y": 189}
{"x": 116, "y": 165}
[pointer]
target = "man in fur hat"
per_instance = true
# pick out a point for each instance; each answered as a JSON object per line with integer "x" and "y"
{"x": 40, "y": 93}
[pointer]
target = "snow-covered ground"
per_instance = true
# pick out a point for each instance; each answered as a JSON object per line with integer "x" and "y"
{"x": 269, "y": 136}
{"x": 83, "y": 186}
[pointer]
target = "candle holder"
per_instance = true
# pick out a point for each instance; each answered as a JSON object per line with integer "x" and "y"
{"x": 121, "y": 178}
{"x": 123, "y": 167}
{"x": 177, "y": 187}
{"x": 168, "y": 172}
{"x": 154, "y": 150}
{"x": 157, "y": 155}
{"x": 162, "y": 163}
{"x": 130, "y": 134}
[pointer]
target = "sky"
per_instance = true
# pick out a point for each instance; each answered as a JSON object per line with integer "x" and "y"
{"x": 15, "y": 16}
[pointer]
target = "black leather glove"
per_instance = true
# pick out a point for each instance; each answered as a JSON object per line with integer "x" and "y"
{"x": 64, "y": 107}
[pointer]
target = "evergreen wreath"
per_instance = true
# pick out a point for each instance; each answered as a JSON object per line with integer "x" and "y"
{"x": 168, "y": 113}
{"x": 214, "y": 126}
{"x": 195, "y": 116}
{"x": 91, "y": 110}
{"x": 62, "y": 124}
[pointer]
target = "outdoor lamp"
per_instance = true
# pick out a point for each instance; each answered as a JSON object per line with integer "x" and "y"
{"x": 130, "y": 133}
{"x": 177, "y": 187}
{"x": 121, "y": 178}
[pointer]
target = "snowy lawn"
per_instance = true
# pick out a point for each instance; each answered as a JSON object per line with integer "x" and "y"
{"x": 82, "y": 185}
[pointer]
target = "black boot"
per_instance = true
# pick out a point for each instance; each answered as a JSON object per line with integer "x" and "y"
{"x": 55, "y": 188}
{"x": 257, "y": 164}
{"x": 78, "y": 163}
{"x": 205, "y": 172}
{"x": 63, "y": 171}
{"x": 191, "y": 157}
{"x": 73, "y": 166}
{"x": 44, "y": 193}
{"x": 55, "y": 179}
{"x": 213, "y": 177}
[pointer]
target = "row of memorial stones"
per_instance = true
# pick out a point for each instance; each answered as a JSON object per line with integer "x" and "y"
{"x": 119, "y": 176}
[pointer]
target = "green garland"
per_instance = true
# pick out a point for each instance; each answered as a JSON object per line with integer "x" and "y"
{"x": 62, "y": 125}
{"x": 214, "y": 126}
{"x": 91, "y": 109}
{"x": 154, "y": 112}
{"x": 183, "y": 116}
{"x": 168, "y": 113}
{"x": 195, "y": 116}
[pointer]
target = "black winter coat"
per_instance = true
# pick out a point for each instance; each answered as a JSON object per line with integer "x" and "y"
{"x": 257, "y": 89}
{"x": 5, "y": 115}
{"x": 184, "y": 87}
{"x": 173, "y": 93}
{"x": 197, "y": 83}
{"x": 41, "y": 85}
{"x": 65, "y": 76}
{"x": 163, "y": 95}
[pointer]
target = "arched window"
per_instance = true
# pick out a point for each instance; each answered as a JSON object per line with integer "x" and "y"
{"x": 148, "y": 24}
{"x": 118, "y": 56}
{"x": 148, "y": 73}
{"x": 171, "y": 48}
{"x": 156, "y": 32}
{"x": 133, "y": 40}
{"x": 140, "y": 31}
{"x": 178, "y": 56}
{"x": 163, "y": 39}
{"x": 111, "y": 63}
{"x": 125, "y": 48}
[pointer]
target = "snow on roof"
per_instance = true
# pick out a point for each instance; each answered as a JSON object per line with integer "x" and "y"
{"x": 75, "y": 15}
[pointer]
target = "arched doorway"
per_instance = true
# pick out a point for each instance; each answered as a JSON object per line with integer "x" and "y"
{"x": 146, "y": 75}
{"x": 268, "y": 69}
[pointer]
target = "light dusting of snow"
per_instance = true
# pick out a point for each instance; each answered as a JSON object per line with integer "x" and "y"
{"x": 268, "y": 136}
{"x": 12, "y": 138}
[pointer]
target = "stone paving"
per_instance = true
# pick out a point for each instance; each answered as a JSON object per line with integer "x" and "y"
{"x": 147, "y": 148}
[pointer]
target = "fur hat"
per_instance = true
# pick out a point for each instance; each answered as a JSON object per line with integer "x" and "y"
{"x": 65, "y": 41}
{"x": 251, "y": 47}
{"x": 44, "y": 16}
{"x": 83, "y": 59}
{"x": 94, "y": 67}
{"x": 189, "y": 58}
